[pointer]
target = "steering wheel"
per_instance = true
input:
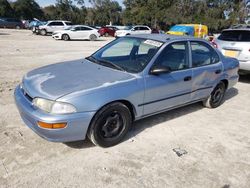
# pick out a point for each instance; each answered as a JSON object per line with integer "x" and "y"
{"x": 141, "y": 61}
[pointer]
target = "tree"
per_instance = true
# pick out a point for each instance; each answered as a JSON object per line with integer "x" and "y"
{"x": 50, "y": 12}
{"x": 105, "y": 12}
{"x": 165, "y": 13}
{"x": 5, "y": 9}
{"x": 66, "y": 10}
{"x": 27, "y": 9}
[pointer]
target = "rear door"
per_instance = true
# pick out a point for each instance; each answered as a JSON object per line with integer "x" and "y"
{"x": 145, "y": 30}
{"x": 135, "y": 30}
{"x": 53, "y": 26}
{"x": 207, "y": 68}
{"x": 85, "y": 32}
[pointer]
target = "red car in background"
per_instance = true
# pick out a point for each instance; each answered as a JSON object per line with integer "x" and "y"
{"x": 107, "y": 31}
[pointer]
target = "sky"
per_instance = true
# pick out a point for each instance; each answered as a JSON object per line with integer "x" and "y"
{"x": 43, "y": 3}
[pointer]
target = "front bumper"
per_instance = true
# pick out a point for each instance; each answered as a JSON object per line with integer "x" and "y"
{"x": 57, "y": 36}
{"x": 77, "y": 123}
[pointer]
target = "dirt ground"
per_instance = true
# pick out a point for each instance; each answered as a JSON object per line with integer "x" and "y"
{"x": 217, "y": 141}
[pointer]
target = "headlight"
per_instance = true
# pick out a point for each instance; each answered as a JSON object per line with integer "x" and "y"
{"x": 53, "y": 107}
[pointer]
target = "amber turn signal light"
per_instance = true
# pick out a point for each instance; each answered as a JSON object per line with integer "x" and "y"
{"x": 51, "y": 125}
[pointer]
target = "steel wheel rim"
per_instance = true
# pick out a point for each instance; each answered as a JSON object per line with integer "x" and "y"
{"x": 217, "y": 95}
{"x": 112, "y": 126}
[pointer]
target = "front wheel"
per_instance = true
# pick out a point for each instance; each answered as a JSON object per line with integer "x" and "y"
{"x": 216, "y": 97}
{"x": 65, "y": 37}
{"x": 110, "y": 125}
{"x": 43, "y": 32}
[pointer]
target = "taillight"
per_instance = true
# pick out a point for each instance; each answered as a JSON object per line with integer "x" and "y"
{"x": 214, "y": 44}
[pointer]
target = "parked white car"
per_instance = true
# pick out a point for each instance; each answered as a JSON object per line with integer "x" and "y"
{"x": 54, "y": 25}
{"x": 236, "y": 43}
{"x": 135, "y": 30}
{"x": 77, "y": 32}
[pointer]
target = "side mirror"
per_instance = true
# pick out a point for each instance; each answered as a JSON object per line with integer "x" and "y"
{"x": 73, "y": 29}
{"x": 159, "y": 69}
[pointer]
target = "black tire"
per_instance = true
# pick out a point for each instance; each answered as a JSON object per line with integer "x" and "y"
{"x": 110, "y": 125}
{"x": 106, "y": 34}
{"x": 92, "y": 37}
{"x": 65, "y": 37}
{"x": 18, "y": 27}
{"x": 43, "y": 32}
{"x": 216, "y": 98}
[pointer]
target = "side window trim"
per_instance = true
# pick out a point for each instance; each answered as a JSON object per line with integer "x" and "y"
{"x": 206, "y": 45}
{"x": 188, "y": 53}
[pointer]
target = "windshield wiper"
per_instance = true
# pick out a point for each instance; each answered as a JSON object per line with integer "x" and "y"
{"x": 105, "y": 63}
{"x": 112, "y": 64}
{"x": 91, "y": 58}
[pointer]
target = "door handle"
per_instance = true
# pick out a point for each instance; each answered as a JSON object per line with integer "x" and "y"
{"x": 218, "y": 71}
{"x": 187, "y": 78}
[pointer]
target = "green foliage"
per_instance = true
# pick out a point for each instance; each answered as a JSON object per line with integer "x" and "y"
{"x": 27, "y": 9}
{"x": 5, "y": 9}
{"x": 165, "y": 13}
{"x": 216, "y": 14}
{"x": 104, "y": 12}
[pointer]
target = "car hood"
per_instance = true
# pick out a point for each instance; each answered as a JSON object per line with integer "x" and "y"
{"x": 57, "y": 80}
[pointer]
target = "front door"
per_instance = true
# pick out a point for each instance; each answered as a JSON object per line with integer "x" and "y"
{"x": 171, "y": 89}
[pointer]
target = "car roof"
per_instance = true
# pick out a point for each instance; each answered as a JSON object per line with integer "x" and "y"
{"x": 58, "y": 21}
{"x": 237, "y": 29}
{"x": 83, "y": 26}
{"x": 140, "y": 26}
{"x": 164, "y": 37}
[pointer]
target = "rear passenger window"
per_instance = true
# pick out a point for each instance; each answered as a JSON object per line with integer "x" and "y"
{"x": 137, "y": 28}
{"x": 85, "y": 29}
{"x": 175, "y": 56}
{"x": 144, "y": 28}
{"x": 203, "y": 54}
{"x": 56, "y": 24}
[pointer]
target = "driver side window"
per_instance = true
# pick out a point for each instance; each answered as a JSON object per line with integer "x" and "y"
{"x": 174, "y": 56}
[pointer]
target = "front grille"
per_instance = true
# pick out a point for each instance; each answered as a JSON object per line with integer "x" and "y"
{"x": 26, "y": 95}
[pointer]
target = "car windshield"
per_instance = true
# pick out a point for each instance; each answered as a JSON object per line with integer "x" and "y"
{"x": 69, "y": 28}
{"x": 127, "y": 28}
{"x": 235, "y": 35}
{"x": 127, "y": 54}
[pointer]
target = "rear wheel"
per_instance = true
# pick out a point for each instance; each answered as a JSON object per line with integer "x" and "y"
{"x": 65, "y": 37}
{"x": 216, "y": 97}
{"x": 106, "y": 34}
{"x": 18, "y": 27}
{"x": 43, "y": 32}
{"x": 92, "y": 37}
{"x": 110, "y": 125}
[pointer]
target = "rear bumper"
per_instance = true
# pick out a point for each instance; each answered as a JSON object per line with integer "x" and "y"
{"x": 245, "y": 65}
{"x": 233, "y": 81}
{"x": 77, "y": 123}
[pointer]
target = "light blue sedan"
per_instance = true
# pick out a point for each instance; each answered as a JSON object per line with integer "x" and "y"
{"x": 128, "y": 79}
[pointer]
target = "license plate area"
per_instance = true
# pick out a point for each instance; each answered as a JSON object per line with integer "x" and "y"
{"x": 231, "y": 53}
